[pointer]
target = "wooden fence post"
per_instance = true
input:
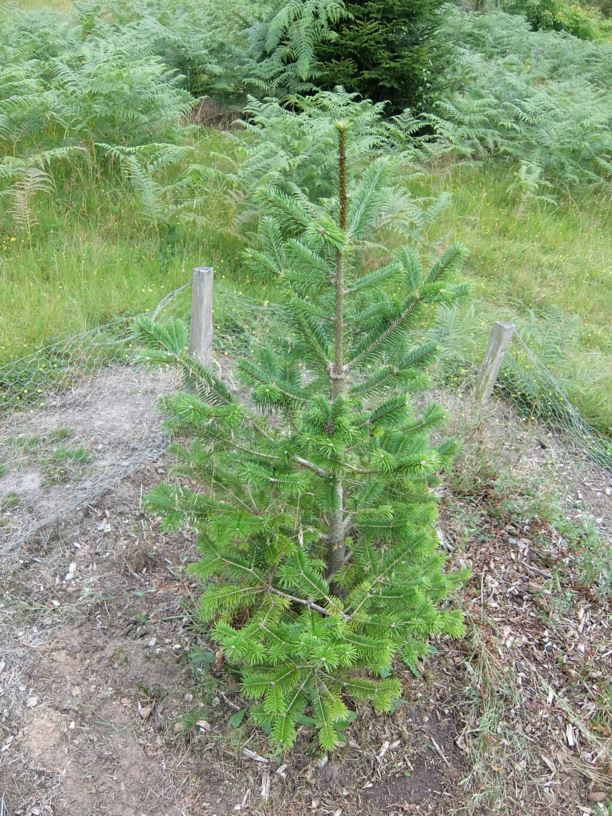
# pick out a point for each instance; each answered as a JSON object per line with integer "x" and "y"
{"x": 501, "y": 334}
{"x": 201, "y": 333}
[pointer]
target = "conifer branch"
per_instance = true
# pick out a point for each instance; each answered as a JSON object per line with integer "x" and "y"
{"x": 310, "y": 466}
{"x": 324, "y": 474}
{"x": 377, "y": 580}
{"x": 298, "y": 459}
{"x": 306, "y": 602}
{"x": 275, "y": 591}
{"x": 388, "y": 331}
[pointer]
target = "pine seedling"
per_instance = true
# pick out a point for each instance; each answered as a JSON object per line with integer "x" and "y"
{"x": 319, "y": 557}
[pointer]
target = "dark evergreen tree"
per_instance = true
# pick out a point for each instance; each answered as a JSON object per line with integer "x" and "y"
{"x": 387, "y": 50}
{"x": 320, "y": 560}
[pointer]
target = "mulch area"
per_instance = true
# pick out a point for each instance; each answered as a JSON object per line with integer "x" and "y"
{"x": 103, "y": 711}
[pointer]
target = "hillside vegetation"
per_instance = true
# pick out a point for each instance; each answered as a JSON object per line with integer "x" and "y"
{"x": 110, "y": 191}
{"x": 328, "y": 603}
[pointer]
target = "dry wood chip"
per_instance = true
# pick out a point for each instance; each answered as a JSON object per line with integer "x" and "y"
{"x": 384, "y": 749}
{"x": 243, "y": 805}
{"x": 145, "y": 711}
{"x": 253, "y": 755}
{"x": 439, "y": 751}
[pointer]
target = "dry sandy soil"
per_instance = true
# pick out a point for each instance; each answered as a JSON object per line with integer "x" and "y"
{"x": 106, "y": 709}
{"x": 110, "y": 418}
{"x": 96, "y": 632}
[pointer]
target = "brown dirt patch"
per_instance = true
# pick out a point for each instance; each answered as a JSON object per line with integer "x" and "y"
{"x": 110, "y": 417}
{"x": 96, "y": 679}
{"x": 97, "y": 688}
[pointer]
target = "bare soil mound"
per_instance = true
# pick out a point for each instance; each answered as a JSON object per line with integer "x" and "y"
{"x": 113, "y": 703}
{"x": 56, "y": 458}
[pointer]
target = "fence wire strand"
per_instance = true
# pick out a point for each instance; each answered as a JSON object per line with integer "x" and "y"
{"x": 536, "y": 392}
{"x": 79, "y": 415}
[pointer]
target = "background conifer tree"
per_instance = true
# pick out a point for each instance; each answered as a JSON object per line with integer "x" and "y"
{"x": 320, "y": 561}
{"x": 388, "y": 50}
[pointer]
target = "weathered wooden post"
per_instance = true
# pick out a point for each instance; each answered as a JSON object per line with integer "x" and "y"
{"x": 201, "y": 334}
{"x": 501, "y": 334}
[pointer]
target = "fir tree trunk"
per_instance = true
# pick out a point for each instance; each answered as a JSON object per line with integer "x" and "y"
{"x": 336, "y": 534}
{"x": 338, "y": 375}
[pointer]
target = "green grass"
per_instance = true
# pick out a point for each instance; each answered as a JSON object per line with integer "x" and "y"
{"x": 66, "y": 464}
{"x": 92, "y": 257}
{"x": 536, "y": 256}
{"x": 54, "y": 5}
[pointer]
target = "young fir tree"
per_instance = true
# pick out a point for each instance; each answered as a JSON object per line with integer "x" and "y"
{"x": 320, "y": 561}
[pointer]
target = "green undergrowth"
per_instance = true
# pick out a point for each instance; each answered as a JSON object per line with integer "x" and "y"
{"x": 92, "y": 256}
{"x": 544, "y": 267}
{"x": 531, "y": 255}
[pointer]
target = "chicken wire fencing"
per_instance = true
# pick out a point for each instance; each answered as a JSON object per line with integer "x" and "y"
{"x": 534, "y": 379}
{"x": 79, "y": 415}
{"x": 538, "y": 395}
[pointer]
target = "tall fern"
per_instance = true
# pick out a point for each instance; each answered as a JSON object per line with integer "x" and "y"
{"x": 284, "y": 43}
{"x": 538, "y": 100}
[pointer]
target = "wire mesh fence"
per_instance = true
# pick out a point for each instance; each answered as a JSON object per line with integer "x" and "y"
{"x": 75, "y": 418}
{"x": 537, "y": 394}
{"x": 538, "y": 376}
{"x": 80, "y": 415}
